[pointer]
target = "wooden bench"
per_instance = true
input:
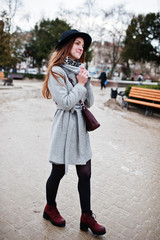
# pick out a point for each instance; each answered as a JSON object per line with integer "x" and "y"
{"x": 6, "y": 81}
{"x": 143, "y": 96}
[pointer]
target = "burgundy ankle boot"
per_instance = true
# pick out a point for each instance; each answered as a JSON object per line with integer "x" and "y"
{"x": 88, "y": 221}
{"x": 52, "y": 214}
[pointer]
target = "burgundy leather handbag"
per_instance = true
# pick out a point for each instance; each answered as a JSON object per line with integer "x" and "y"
{"x": 91, "y": 121}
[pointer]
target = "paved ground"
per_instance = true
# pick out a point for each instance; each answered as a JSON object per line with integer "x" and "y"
{"x": 125, "y": 170}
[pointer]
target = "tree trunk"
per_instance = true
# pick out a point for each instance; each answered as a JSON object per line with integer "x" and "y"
{"x": 112, "y": 70}
{"x": 128, "y": 73}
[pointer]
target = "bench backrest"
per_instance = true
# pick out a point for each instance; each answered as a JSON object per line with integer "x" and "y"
{"x": 145, "y": 93}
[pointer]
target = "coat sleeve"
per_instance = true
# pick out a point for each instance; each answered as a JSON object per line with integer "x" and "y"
{"x": 90, "y": 96}
{"x": 58, "y": 89}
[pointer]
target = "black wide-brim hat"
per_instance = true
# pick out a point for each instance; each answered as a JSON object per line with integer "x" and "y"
{"x": 66, "y": 36}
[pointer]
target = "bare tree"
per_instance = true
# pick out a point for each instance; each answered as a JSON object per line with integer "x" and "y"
{"x": 117, "y": 18}
{"x": 11, "y": 7}
{"x": 82, "y": 18}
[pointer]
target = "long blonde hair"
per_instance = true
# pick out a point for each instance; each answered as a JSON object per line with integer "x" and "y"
{"x": 56, "y": 58}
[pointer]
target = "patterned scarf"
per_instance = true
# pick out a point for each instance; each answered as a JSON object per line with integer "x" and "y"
{"x": 69, "y": 61}
{"x": 71, "y": 68}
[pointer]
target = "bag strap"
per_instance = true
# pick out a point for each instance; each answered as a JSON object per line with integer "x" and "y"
{"x": 80, "y": 101}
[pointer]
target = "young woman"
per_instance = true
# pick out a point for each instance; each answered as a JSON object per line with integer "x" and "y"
{"x": 67, "y": 83}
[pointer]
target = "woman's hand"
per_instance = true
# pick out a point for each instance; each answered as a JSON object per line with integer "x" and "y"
{"x": 82, "y": 77}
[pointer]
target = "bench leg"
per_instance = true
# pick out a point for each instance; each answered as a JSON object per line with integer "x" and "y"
{"x": 125, "y": 104}
{"x": 147, "y": 111}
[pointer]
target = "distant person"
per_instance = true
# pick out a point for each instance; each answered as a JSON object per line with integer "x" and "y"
{"x": 140, "y": 77}
{"x": 103, "y": 79}
{"x": 148, "y": 79}
{"x": 67, "y": 83}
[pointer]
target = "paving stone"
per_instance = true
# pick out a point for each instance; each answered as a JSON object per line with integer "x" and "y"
{"x": 125, "y": 171}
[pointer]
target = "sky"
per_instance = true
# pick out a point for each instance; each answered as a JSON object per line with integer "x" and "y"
{"x": 32, "y": 11}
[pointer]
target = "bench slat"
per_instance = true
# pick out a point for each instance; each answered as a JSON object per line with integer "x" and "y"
{"x": 157, "y": 99}
{"x": 156, "y": 105}
{"x": 139, "y": 90}
{"x": 146, "y": 90}
{"x": 145, "y": 94}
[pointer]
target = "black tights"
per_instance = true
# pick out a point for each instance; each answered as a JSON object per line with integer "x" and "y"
{"x": 84, "y": 175}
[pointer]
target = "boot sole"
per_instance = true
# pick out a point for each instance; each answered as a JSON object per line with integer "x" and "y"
{"x": 85, "y": 227}
{"x": 46, "y": 217}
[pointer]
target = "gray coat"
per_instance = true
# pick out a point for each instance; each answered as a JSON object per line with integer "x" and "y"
{"x": 70, "y": 142}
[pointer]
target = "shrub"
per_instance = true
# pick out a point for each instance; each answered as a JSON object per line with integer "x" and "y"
{"x": 31, "y": 76}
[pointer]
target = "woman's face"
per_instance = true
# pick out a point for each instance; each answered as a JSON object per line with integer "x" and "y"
{"x": 77, "y": 49}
